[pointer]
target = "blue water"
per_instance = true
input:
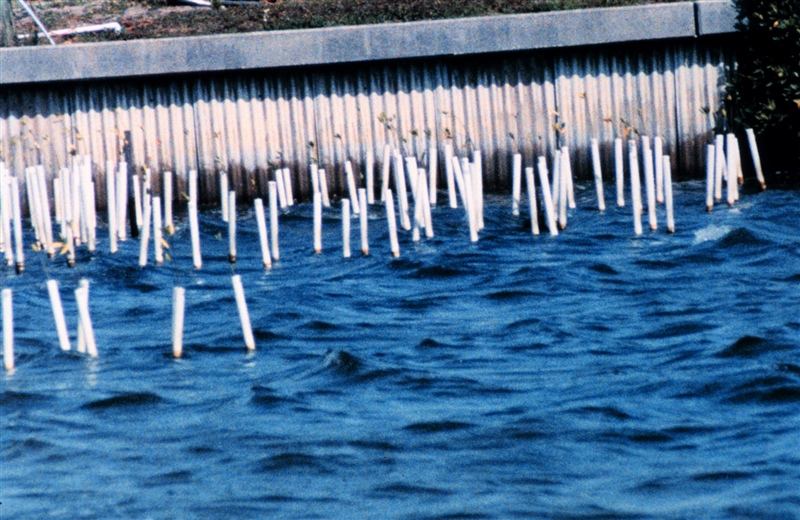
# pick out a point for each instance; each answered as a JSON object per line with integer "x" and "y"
{"x": 589, "y": 375}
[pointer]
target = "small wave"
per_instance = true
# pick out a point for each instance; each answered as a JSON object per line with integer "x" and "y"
{"x": 170, "y": 478}
{"x": 750, "y": 346}
{"x": 401, "y": 488}
{"x": 717, "y": 476}
{"x": 790, "y": 368}
{"x": 290, "y": 461}
{"x": 10, "y": 398}
{"x": 124, "y": 400}
{"x": 341, "y": 361}
{"x": 432, "y": 343}
{"x": 767, "y": 390}
{"x": 711, "y": 234}
{"x": 438, "y": 271}
{"x": 603, "y": 269}
{"x": 740, "y": 237}
{"x": 437, "y": 426}
{"x": 509, "y": 294}
{"x": 321, "y": 325}
{"x": 264, "y": 396}
{"x": 681, "y": 329}
{"x": 607, "y": 411}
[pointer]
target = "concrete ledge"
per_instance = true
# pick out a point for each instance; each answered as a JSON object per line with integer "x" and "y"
{"x": 274, "y": 49}
{"x": 715, "y": 17}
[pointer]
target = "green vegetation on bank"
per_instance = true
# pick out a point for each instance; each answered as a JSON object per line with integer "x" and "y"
{"x": 764, "y": 92}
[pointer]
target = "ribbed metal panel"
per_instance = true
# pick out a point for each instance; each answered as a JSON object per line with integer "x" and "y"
{"x": 250, "y": 123}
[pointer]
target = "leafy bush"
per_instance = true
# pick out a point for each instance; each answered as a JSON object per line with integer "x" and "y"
{"x": 765, "y": 88}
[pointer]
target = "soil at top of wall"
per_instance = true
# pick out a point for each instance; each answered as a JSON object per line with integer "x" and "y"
{"x": 164, "y": 19}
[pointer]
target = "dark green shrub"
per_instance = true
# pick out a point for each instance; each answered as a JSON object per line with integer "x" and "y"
{"x": 764, "y": 92}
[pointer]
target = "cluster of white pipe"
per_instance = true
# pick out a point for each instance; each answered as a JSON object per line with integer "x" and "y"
{"x": 724, "y": 166}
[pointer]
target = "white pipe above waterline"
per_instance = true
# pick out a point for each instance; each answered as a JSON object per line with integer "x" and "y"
{"x": 563, "y": 189}
{"x": 402, "y": 194}
{"x": 169, "y": 223}
{"x": 733, "y": 167}
{"x": 363, "y": 221}
{"x": 273, "y": 219}
{"x": 425, "y": 202}
{"x": 547, "y": 196}
{"x": 658, "y": 153}
{"x": 223, "y": 195}
{"x": 287, "y": 185}
{"x": 111, "y": 206}
{"x": 649, "y": 184}
{"x": 6, "y": 215}
{"x": 144, "y": 238}
{"x": 459, "y": 180}
{"x": 636, "y": 189}
{"x": 667, "y": 169}
{"x": 281, "y": 188}
{"x": 16, "y": 212}
{"x": 710, "y": 175}
{"x": 392, "y": 223}
{"x": 531, "y": 184}
{"x": 412, "y": 174}
{"x": 598, "y": 175}
{"x": 556, "y": 193}
{"x": 45, "y": 209}
{"x": 313, "y": 171}
{"x": 122, "y": 201}
{"x": 323, "y": 188}
{"x": 194, "y": 223}
{"x": 477, "y": 194}
{"x": 753, "y": 145}
{"x": 345, "y": 227}
{"x": 433, "y": 174}
{"x": 178, "y": 309}
{"x": 351, "y": 186}
{"x": 369, "y": 174}
{"x": 619, "y": 172}
{"x": 158, "y": 231}
{"x": 317, "y": 199}
{"x": 570, "y": 183}
{"x": 720, "y": 166}
{"x": 469, "y": 201}
{"x": 244, "y": 315}
{"x": 82, "y": 299}
{"x": 448, "y": 170}
{"x": 516, "y": 183}
{"x": 58, "y": 315}
{"x": 137, "y": 200}
{"x": 266, "y": 255}
{"x": 8, "y": 330}
{"x": 232, "y": 227}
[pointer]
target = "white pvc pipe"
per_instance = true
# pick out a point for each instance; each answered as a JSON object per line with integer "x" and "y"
{"x": 516, "y": 183}
{"x": 144, "y": 239}
{"x": 16, "y": 212}
{"x": 737, "y": 154}
{"x": 402, "y": 194}
{"x": 363, "y": 221}
{"x": 244, "y": 316}
{"x": 730, "y": 160}
{"x": 412, "y": 174}
{"x": 459, "y": 180}
{"x": 33, "y": 203}
{"x": 710, "y": 174}
{"x": 58, "y": 315}
{"x": 266, "y": 256}
{"x": 6, "y": 212}
{"x": 58, "y": 199}
{"x": 232, "y": 227}
{"x": 169, "y": 224}
{"x": 433, "y": 174}
{"x": 658, "y": 152}
{"x": 8, "y": 330}
{"x": 385, "y": 169}
{"x": 122, "y": 201}
{"x": 720, "y": 166}
{"x": 469, "y": 200}
{"x": 111, "y": 206}
{"x": 137, "y": 200}
{"x": 314, "y": 173}
{"x": 598, "y": 175}
{"x": 194, "y": 223}
{"x": 667, "y": 169}
{"x": 345, "y": 228}
{"x": 392, "y": 222}
{"x": 44, "y": 208}
{"x": 425, "y": 202}
{"x": 82, "y": 299}
{"x": 287, "y": 185}
{"x": 273, "y": 219}
{"x": 547, "y": 196}
{"x": 369, "y": 173}
{"x": 281, "y": 188}
{"x": 619, "y": 172}
{"x": 636, "y": 189}
{"x": 556, "y": 194}
{"x": 75, "y": 201}
{"x": 649, "y": 184}
{"x": 448, "y": 170}
{"x": 563, "y": 188}
{"x": 223, "y": 195}
{"x": 178, "y": 308}
{"x": 531, "y": 183}
{"x": 318, "y": 223}
{"x": 158, "y": 231}
{"x": 323, "y": 188}
{"x": 477, "y": 195}
{"x": 351, "y": 186}
{"x": 751, "y": 141}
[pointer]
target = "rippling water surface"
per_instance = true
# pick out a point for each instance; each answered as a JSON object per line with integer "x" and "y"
{"x": 590, "y": 375}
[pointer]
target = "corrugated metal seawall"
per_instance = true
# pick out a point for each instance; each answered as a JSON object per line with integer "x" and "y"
{"x": 248, "y": 123}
